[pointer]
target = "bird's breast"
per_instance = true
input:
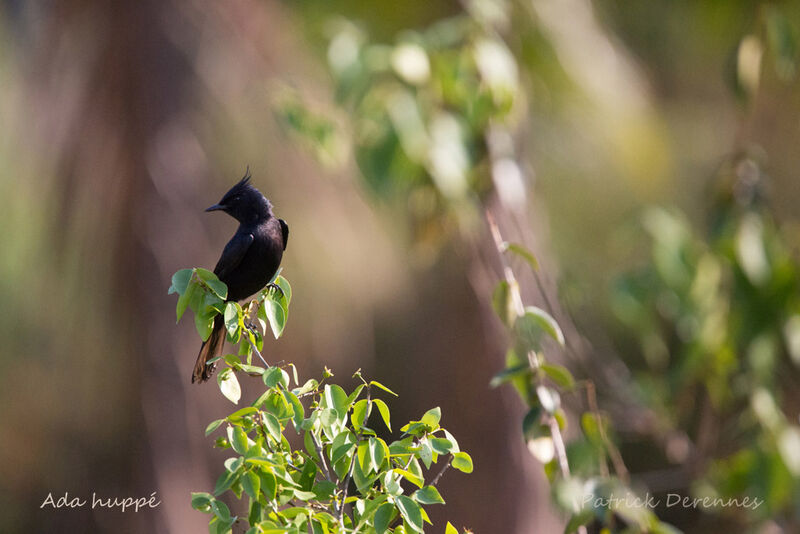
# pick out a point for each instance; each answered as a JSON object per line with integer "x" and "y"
{"x": 259, "y": 264}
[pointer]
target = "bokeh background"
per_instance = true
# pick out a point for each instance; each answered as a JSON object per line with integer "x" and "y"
{"x": 122, "y": 121}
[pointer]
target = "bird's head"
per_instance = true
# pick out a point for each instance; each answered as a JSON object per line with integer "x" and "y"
{"x": 244, "y": 202}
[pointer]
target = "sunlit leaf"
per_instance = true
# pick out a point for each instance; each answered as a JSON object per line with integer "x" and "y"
{"x": 410, "y": 512}
{"x": 229, "y": 385}
{"x": 462, "y": 461}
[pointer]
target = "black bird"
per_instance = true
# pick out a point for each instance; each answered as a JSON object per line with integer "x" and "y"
{"x": 250, "y": 259}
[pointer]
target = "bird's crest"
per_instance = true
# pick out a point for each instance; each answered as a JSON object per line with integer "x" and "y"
{"x": 246, "y": 179}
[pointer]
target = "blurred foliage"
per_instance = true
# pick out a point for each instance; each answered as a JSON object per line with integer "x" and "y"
{"x": 433, "y": 122}
{"x": 298, "y": 490}
{"x": 717, "y": 317}
{"x": 421, "y": 113}
{"x": 583, "y": 486}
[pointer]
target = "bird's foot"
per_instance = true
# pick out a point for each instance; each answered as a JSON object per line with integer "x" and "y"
{"x": 276, "y": 287}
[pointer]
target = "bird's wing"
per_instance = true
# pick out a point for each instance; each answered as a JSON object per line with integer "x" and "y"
{"x": 285, "y": 232}
{"x": 233, "y": 254}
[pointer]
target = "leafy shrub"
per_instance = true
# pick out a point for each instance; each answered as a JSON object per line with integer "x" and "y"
{"x": 333, "y": 473}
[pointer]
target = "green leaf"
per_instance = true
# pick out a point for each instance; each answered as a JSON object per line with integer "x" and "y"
{"x": 273, "y": 426}
{"x": 274, "y": 376}
{"x": 324, "y": 490}
{"x": 441, "y": 445}
{"x": 251, "y": 484}
{"x": 360, "y": 413}
{"x": 232, "y": 317}
{"x": 180, "y": 281}
{"x": 250, "y": 369}
{"x": 238, "y": 439}
{"x": 428, "y": 495}
{"x": 783, "y": 43}
{"x": 591, "y": 429}
{"x": 384, "y": 410}
{"x": 303, "y": 495}
{"x": 411, "y": 512}
{"x": 432, "y": 417}
{"x": 509, "y": 374}
{"x": 580, "y": 519}
{"x": 237, "y": 416}
{"x": 225, "y": 481}
{"x": 453, "y": 443}
{"x": 283, "y": 283}
{"x": 463, "y": 462}
{"x": 411, "y": 477}
{"x": 297, "y": 408}
{"x": 184, "y": 300}
{"x": 450, "y": 529}
{"x": 276, "y": 315}
{"x": 269, "y": 483}
{"x": 204, "y": 325}
{"x": 377, "y": 452}
{"x": 221, "y": 510}
{"x": 213, "y": 425}
{"x": 233, "y": 463}
{"x": 308, "y": 387}
{"x": 391, "y": 484}
{"x": 294, "y": 374}
{"x": 342, "y": 445}
{"x": 202, "y": 501}
{"x": 229, "y": 385}
{"x": 354, "y": 395}
{"x": 362, "y": 453}
{"x": 232, "y": 360}
{"x": 425, "y": 452}
{"x": 328, "y": 418}
{"x": 307, "y": 476}
{"x": 535, "y": 321}
{"x": 336, "y": 398}
{"x": 383, "y": 517}
{"x": 523, "y": 253}
{"x": 559, "y": 374}
{"x": 503, "y": 304}
{"x": 381, "y": 386}
{"x": 531, "y": 423}
{"x": 215, "y": 284}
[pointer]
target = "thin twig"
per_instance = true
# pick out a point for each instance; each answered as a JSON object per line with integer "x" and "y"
{"x": 321, "y": 455}
{"x": 355, "y": 457}
{"x": 255, "y": 349}
{"x": 613, "y": 451}
{"x": 324, "y": 464}
{"x": 441, "y": 472}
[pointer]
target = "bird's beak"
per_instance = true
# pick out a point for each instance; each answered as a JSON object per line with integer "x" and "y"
{"x": 215, "y": 207}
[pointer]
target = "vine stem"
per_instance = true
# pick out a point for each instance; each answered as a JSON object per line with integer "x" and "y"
{"x": 613, "y": 451}
{"x": 519, "y": 308}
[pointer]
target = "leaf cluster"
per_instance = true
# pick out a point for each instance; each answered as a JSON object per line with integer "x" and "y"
{"x": 343, "y": 478}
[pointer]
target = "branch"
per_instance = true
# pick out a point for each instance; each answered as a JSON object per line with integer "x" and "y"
{"x": 255, "y": 349}
{"x": 325, "y": 470}
{"x": 441, "y": 471}
{"x": 355, "y": 456}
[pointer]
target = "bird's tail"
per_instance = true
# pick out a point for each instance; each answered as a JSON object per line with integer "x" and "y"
{"x": 209, "y": 349}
